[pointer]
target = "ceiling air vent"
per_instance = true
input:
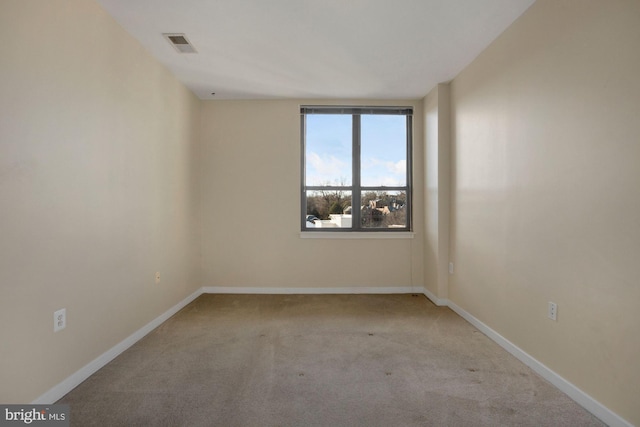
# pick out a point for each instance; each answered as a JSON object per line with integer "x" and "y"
{"x": 180, "y": 42}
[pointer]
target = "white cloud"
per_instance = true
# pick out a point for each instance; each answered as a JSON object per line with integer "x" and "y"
{"x": 382, "y": 180}
{"x": 327, "y": 169}
{"x": 377, "y": 172}
{"x": 399, "y": 167}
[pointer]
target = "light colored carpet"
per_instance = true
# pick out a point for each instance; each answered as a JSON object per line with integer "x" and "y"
{"x": 319, "y": 360}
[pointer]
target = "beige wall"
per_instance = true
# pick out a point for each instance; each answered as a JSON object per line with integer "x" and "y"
{"x": 437, "y": 162}
{"x": 103, "y": 183}
{"x": 546, "y": 192}
{"x": 98, "y": 190}
{"x": 251, "y": 206}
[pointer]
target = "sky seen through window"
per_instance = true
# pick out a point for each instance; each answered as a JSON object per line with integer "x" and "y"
{"x": 383, "y": 150}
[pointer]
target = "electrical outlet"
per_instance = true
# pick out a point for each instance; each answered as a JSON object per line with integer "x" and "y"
{"x": 553, "y": 311}
{"x": 450, "y": 268}
{"x": 59, "y": 320}
{"x": 157, "y": 277}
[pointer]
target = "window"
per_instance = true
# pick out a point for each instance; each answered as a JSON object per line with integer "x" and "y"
{"x": 356, "y": 157}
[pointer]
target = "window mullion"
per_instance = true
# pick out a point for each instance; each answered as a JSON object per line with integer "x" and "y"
{"x": 356, "y": 194}
{"x": 409, "y": 170}
{"x": 303, "y": 175}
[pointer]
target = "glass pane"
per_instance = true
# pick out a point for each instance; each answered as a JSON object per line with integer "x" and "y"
{"x": 328, "y": 149}
{"x": 384, "y": 209}
{"x": 328, "y": 209}
{"x": 383, "y": 151}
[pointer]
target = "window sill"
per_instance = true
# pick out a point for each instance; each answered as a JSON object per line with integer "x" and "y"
{"x": 356, "y": 235}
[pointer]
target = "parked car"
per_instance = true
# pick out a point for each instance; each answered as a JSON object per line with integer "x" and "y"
{"x": 311, "y": 221}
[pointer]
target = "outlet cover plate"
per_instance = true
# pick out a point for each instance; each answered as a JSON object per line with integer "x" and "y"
{"x": 553, "y": 311}
{"x": 59, "y": 320}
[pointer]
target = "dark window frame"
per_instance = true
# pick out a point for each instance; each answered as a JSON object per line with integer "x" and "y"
{"x": 356, "y": 188}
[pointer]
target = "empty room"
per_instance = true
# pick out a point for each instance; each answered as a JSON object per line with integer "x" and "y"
{"x": 331, "y": 213}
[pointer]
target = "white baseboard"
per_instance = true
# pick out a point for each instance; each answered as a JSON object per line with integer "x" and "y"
{"x": 441, "y": 302}
{"x": 71, "y": 382}
{"x": 341, "y": 290}
{"x": 589, "y": 403}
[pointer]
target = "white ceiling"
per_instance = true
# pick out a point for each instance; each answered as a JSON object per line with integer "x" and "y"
{"x": 316, "y": 48}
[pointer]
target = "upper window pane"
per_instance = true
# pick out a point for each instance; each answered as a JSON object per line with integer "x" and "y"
{"x": 328, "y": 149}
{"x": 383, "y": 150}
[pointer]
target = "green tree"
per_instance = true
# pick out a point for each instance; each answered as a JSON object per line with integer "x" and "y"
{"x": 336, "y": 208}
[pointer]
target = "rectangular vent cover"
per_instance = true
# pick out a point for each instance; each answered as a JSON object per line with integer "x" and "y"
{"x": 180, "y": 42}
